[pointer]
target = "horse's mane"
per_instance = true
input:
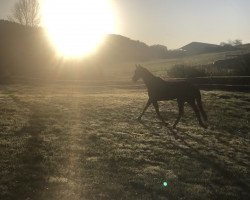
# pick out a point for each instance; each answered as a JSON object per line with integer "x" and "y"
{"x": 149, "y": 74}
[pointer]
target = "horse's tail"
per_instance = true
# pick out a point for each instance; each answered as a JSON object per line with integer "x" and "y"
{"x": 199, "y": 103}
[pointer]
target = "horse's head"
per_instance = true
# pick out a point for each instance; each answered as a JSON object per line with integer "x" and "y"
{"x": 138, "y": 73}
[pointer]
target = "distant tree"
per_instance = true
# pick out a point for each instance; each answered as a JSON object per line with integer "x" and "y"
{"x": 26, "y": 12}
{"x": 236, "y": 42}
{"x": 223, "y": 44}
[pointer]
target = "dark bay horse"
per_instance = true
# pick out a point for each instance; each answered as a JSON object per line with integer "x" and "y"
{"x": 160, "y": 90}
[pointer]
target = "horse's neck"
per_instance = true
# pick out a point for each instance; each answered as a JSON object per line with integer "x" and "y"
{"x": 149, "y": 79}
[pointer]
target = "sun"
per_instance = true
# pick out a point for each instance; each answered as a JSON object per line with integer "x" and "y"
{"x": 77, "y": 27}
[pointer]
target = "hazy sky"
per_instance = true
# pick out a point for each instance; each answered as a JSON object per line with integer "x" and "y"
{"x": 175, "y": 23}
{"x": 5, "y": 7}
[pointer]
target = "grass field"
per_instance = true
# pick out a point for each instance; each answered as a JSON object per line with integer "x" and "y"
{"x": 74, "y": 141}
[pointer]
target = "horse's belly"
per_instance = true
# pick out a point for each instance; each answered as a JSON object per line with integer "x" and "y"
{"x": 162, "y": 96}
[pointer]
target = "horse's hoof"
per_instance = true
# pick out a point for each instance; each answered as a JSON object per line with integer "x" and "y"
{"x": 204, "y": 126}
{"x": 165, "y": 123}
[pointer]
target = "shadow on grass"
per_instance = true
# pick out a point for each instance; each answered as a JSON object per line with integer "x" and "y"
{"x": 201, "y": 153}
{"x": 152, "y": 126}
{"x": 31, "y": 172}
{"x": 31, "y": 166}
{"x": 219, "y": 166}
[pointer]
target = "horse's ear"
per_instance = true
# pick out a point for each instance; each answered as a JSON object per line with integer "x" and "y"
{"x": 136, "y": 66}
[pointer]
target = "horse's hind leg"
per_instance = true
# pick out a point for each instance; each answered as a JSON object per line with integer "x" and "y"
{"x": 199, "y": 103}
{"x": 156, "y": 106}
{"x": 144, "y": 110}
{"x": 197, "y": 112}
{"x": 181, "y": 111}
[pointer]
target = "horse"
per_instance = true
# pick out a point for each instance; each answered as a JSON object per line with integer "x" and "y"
{"x": 162, "y": 90}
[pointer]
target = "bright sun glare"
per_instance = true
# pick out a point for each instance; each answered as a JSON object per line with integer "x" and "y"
{"x": 77, "y": 27}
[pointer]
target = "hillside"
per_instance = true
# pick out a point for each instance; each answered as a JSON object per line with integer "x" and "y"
{"x": 15, "y": 37}
{"x": 27, "y": 52}
{"x": 199, "y": 48}
{"x": 117, "y": 48}
{"x": 23, "y": 50}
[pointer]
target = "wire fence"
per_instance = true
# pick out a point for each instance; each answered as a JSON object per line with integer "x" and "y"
{"x": 228, "y": 83}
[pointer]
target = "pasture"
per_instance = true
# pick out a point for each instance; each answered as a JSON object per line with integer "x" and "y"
{"x": 81, "y": 141}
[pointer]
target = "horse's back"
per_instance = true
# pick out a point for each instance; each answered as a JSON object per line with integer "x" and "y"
{"x": 173, "y": 89}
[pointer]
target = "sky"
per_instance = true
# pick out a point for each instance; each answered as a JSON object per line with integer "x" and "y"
{"x": 175, "y": 23}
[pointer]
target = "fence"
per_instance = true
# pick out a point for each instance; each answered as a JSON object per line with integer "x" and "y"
{"x": 230, "y": 83}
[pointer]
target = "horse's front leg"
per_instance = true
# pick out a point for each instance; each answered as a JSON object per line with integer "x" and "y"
{"x": 181, "y": 111}
{"x": 156, "y": 106}
{"x": 197, "y": 112}
{"x": 144, "y": 110}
